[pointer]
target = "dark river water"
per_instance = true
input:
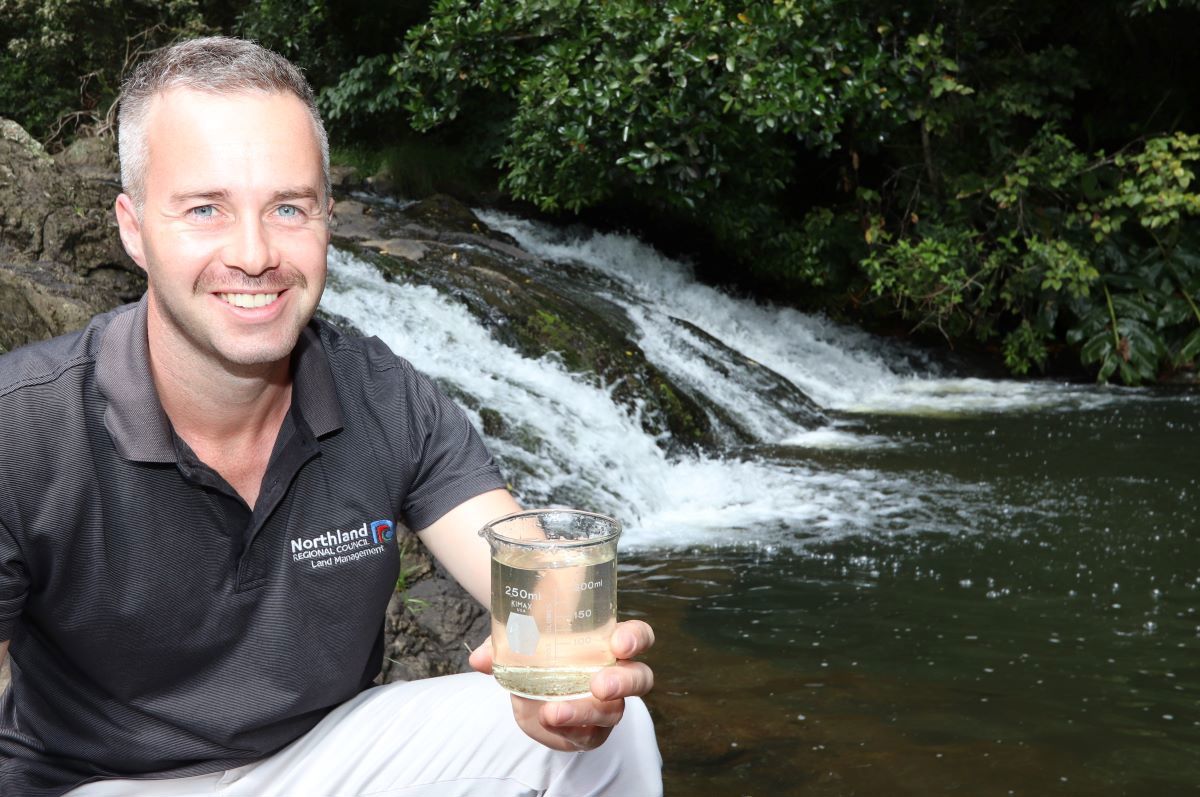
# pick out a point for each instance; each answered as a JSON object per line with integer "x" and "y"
{"x": 955, "y": 586}
{"x": 1030, "y": 625}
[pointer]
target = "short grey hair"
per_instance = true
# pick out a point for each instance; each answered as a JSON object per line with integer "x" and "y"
{"x": 213, "y": 64}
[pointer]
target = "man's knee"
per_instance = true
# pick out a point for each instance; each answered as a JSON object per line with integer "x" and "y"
{"x": 638, "y": 725}
{"x": 633, "y": 765}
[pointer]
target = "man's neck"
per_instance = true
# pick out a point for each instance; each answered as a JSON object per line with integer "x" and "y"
{"x": 229, "y": 417}
{"x": 216, "y": 405}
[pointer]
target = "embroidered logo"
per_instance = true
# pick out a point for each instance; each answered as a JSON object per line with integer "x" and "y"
{"x": 382, "y": 531}
{"x": 338, "y": 547}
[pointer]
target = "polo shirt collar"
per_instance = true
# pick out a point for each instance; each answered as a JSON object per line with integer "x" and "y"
{"x": 134, "y": 416}
{"x": 313, "y": 391}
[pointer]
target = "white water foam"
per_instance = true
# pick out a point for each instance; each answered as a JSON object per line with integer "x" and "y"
{"x": 834, "y": 439}
{"x": 839, "y": 367}
{"x": 594, "y": 454}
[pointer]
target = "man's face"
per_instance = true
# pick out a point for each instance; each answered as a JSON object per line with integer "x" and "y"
{"x": 234, "y": 231}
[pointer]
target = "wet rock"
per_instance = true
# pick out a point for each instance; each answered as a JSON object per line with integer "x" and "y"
{"x": 782, "y": 392}
{"x": 430, "y": 620}
{"x": 493, "y": 423}
{"x": 539, "y": 310}
{"x": 381, "y": 183}
{"x": 61, "y": 259}
{"x": 446, "y": 214}
{"x": 345, "y": 179}
{"x": 92, "y": 157}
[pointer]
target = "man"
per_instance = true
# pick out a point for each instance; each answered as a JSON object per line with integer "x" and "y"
{"x": 164, "y": 469}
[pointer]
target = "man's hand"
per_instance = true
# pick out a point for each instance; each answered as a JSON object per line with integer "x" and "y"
{"x": 573, "y": 725}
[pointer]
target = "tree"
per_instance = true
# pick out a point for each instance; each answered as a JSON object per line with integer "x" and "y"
{"x": 969, "y": 190}
{"x": 63, "y": 61}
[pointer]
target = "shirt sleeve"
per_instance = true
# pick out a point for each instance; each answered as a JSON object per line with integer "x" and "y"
{"x": 14, "y": 583}
{"x": 450, "y": 462}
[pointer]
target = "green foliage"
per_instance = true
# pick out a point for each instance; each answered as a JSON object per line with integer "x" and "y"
{"x": 417, "y": 167}
{"x": 1150, "y": 6}
{"x": 296, "y": 30}
{"x": 929, "y": 276}
{"x": 344, "y": 47}
{"x": 1149, "y": 317}
{"x": 968, "y": 192}
{"x": 63, "y": 60}
{"x": 1153, "y": 186}
{"x": 674, "y": 101}
{"x": 991, "y": 171}
{"x": 363, "y": 91}
{"x": 1130, "y": 239}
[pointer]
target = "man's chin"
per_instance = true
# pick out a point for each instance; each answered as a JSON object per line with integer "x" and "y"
{"x": 268, "y": 344}
{"x": 256, "y": 355}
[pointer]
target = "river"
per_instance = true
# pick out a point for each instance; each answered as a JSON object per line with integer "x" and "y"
{"x": 950, "y": 585}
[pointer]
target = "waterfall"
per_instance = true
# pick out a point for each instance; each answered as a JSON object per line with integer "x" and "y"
{"x": 839, "y": 367}
{"x": 589, "y": 451}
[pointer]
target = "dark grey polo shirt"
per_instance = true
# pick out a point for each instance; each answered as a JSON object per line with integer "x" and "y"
{"x": 159, "y": 626}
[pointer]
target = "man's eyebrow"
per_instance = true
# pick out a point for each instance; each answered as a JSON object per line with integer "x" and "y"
{"x": 285, "y": 194}
{"x": 193, "y": 196}
{"x": 220, "y": 194}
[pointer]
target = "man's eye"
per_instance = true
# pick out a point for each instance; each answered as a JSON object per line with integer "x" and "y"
{"x": 203, "y": 212}
{"x": 289, "y": 211}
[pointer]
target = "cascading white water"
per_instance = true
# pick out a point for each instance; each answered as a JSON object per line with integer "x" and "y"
{"x": 593, "y": 454}
{"x": 839, "y": 367}
{"x": 590, "y": 452}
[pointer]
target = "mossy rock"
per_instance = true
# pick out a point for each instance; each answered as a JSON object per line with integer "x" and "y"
{"x": 553, "y": 310}
{"x": 583, "y": 334}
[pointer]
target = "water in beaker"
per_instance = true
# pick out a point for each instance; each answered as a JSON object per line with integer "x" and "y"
{"x": 554, "y": 600}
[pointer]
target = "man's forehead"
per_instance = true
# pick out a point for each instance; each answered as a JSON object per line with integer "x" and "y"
{"x": 205, "y": 141}
{"x": 188, "y": 97}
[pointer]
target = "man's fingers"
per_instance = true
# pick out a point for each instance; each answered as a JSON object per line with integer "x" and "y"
{"x": 623, "y": 679}
{"x": 631, "y": 638}
{"x": 575, "y": 739}
{"x": 615, "y": 683}
{"x": 481, "y": 657}
{"x": 582, "y": 714}
{"x": 584, "y": 724}
{"x": 540, "y": 720}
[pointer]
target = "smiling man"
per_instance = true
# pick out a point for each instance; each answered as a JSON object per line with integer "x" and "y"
{"x": 169, "y": 470}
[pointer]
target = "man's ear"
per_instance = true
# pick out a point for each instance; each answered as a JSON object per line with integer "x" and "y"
{"x": 131, "y": 229}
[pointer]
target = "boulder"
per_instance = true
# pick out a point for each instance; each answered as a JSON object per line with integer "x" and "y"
{"x": 61, "y": 259}
{"x": 93, "y": 157}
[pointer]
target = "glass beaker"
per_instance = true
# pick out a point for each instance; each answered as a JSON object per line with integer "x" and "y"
{"x": 554, "y": 600}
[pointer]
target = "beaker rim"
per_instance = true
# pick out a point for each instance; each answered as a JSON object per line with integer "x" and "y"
{"x": 489, "y": 532}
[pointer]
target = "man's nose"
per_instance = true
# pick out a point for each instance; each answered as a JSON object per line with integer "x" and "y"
{"x": 249, "y": 249}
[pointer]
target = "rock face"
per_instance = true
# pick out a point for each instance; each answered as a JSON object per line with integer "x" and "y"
{"x": 61, "y": 259}
{"x": 431, "y": 622}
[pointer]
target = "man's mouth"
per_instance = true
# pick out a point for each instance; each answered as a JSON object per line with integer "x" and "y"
{"x": 248, "y": 299}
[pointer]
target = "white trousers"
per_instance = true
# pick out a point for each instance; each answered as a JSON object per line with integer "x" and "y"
{"x": 453, "y": 736}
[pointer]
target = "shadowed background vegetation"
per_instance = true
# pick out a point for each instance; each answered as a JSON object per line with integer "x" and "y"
{"x": 1010, "y": 178}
